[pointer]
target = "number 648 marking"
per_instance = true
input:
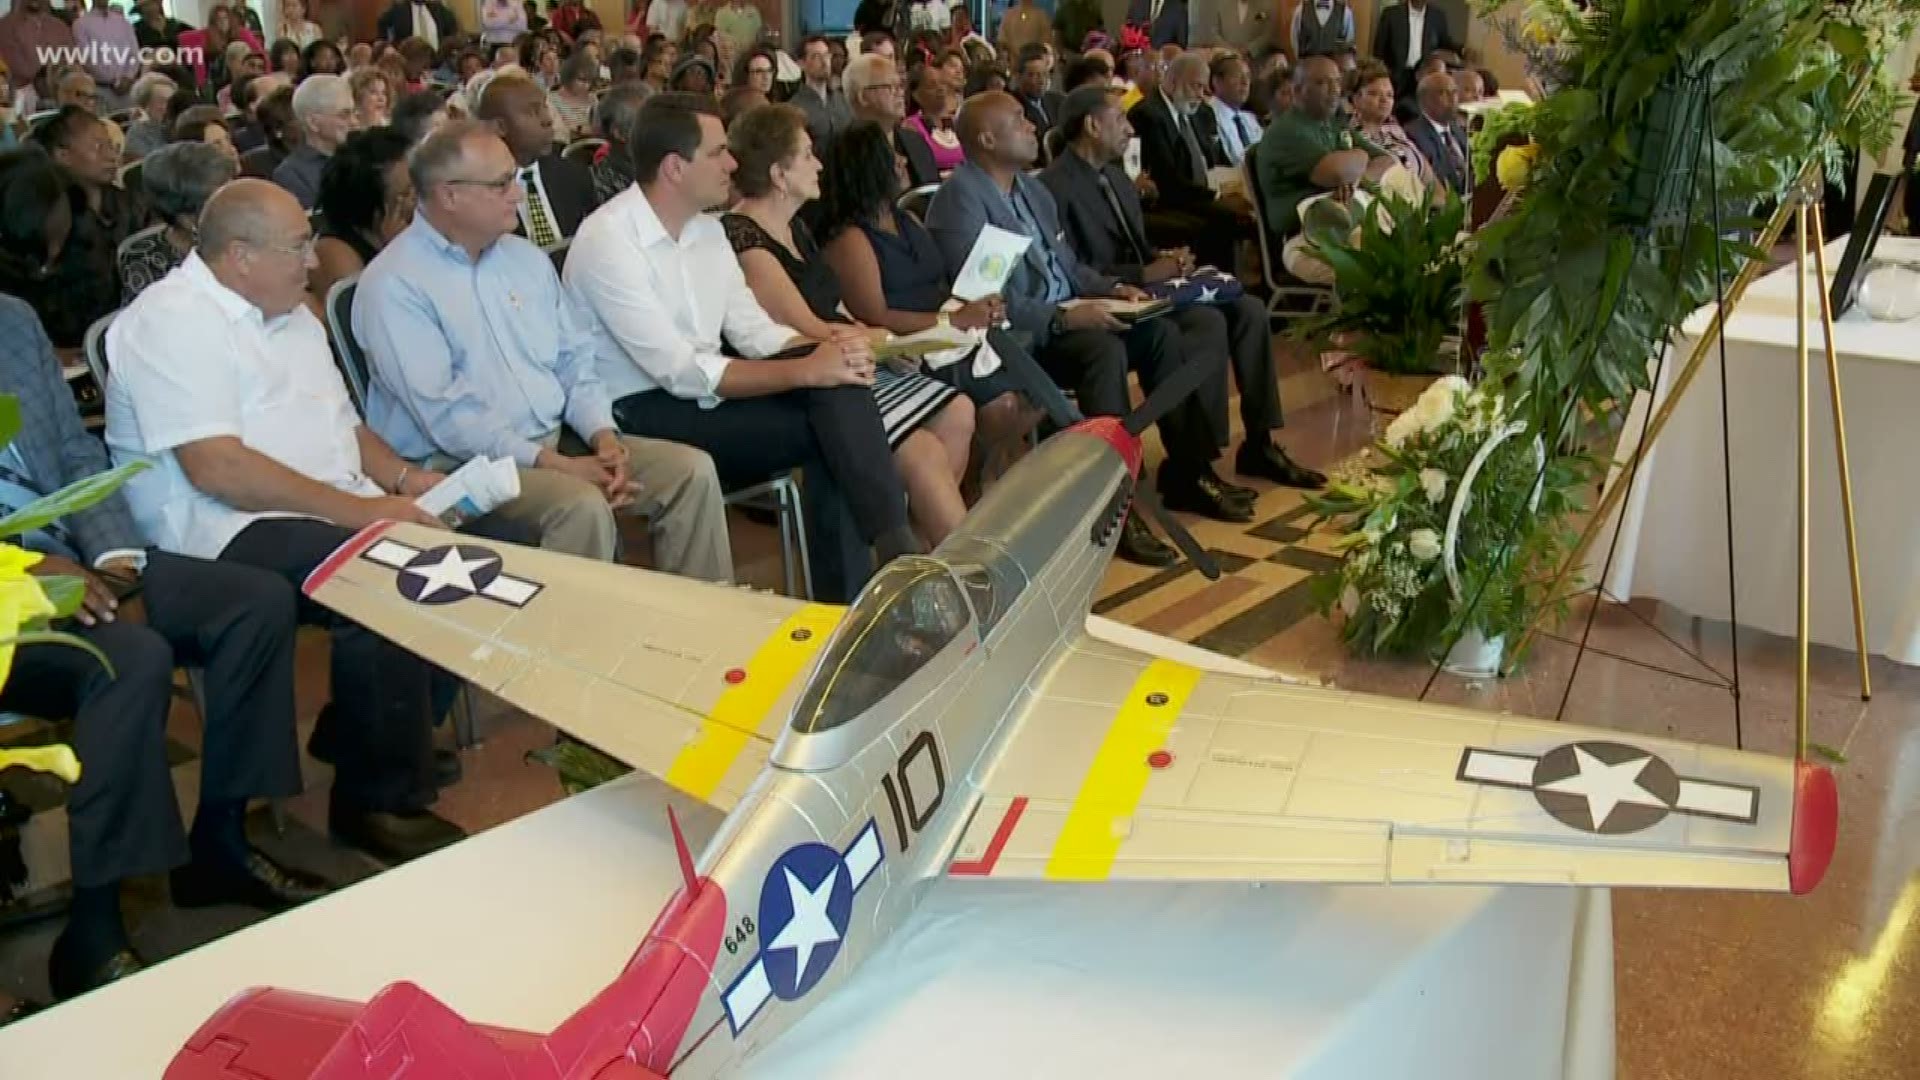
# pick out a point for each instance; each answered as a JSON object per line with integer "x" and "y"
{"x": 906, "y": 809}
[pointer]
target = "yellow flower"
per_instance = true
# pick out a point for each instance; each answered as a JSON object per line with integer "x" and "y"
{"x": 1515, "y": 165}
{"x": 21, "y": 599}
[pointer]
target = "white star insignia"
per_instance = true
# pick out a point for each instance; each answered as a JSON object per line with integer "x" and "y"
{"x": 1178, "y": 282}
{"x": 451, "y": 571}
{"x": 1209, "y": 294}
{"x": 810, "y": 927}
{"x": 1606, "y": 786}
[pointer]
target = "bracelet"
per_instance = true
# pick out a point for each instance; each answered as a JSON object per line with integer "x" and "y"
{"x": 400, "y": 482}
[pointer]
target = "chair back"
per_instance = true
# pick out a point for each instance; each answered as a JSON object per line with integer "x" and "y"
{"x": 915, "y": 202}
{"x": 138, "y": 236}
{"x": 347, "y": 354}
{"x": 1269, "y": 256}
{"x": 581, "y": 151}
{"x": 94, "y": 348}
{"x": 129, "y": 175}
{"x": 258, "y": 163}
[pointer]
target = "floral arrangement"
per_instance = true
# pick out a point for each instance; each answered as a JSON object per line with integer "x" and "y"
{"x": 1400, "y": 277}
{"x": 1498, "y": 127}
{"x": 1394, "y": 590}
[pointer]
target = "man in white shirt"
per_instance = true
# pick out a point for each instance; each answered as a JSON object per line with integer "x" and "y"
{"x": 1232, "y": 81}
{"x": 224, "y": 385}
{"x": 662, "y": 288}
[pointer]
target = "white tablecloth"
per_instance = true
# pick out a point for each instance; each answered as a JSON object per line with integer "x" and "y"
{"x": 1672, "y": 543}
{"x": 520, "y": 925}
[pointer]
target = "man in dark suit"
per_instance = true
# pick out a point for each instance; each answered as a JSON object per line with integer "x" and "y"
{"x": 402, "y": 19}
{"x": 234, "y": 622}
{"x": 1164, "y": 20}
{"x": 1408, "y": 32}
{"x": 1030, "y": 86}
{"x": 1081, "y": 345}
{"x": 559, "y": 192}
{"x": 1176, "y": 130}
{"x": 1440, "y": 136}
{"x": 1107, "y": 231}
{"x": 875, "y": 91}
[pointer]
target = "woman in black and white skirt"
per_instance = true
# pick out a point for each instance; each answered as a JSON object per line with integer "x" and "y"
{"x": 929, "y": 423}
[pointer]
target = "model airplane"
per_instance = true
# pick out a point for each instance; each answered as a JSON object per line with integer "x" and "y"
{"x": 958, "y": 721}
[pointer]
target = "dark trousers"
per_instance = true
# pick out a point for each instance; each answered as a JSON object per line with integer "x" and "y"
{"x": 377, "y": 724}
{"x": 1093, "y": 364}
{"x": 233, "y": 621}
{"x": 853, "y": 494}
{"x": 1209, "y": 230}
{"x": 1239, "y": 329}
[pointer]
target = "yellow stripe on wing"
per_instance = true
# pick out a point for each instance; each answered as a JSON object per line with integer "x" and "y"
{"x": 743, "y": 707}
{"x": 1111, "y": 792}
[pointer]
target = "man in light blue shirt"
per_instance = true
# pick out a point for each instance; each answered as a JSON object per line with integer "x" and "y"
{"x": 476, "y": 351}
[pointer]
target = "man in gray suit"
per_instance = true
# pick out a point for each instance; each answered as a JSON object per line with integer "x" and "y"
{"x": 234, "y": 622}
{"x": 1081, "y": 345}
{"x": 1246, "y": 26}
{"x": 1440, "y": 136}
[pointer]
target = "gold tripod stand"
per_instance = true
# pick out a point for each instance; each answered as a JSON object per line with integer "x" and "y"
{"x": 1802, "y": 207}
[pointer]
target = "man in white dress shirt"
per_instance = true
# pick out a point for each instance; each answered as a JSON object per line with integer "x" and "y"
{"x": 1239, "y": 129}
{"x": 688, "y": 354}
{"x": 224, "y": 385}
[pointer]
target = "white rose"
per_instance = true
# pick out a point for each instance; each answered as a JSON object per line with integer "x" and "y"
{"x": 1349, "y": 601}
{"x": 1404, "y": 427}
{"x": 1435, "y": 484}
{"x": 1424, "y": 544}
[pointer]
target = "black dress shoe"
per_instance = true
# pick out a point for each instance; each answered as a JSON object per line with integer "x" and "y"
{"x": 257, "y": 881}
{"x": 20, "y": 1009}
{"x": 1139, "y": 545}
{"x": 391, "y": 837}
{"x": 69, "y": 978}
{"x": 1204, "y": 495}
{"x": 446, "y": 768}
{"x": 1269, "y": 462}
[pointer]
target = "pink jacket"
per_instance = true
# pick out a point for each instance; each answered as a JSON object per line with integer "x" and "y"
{"x": 197, "y": 39}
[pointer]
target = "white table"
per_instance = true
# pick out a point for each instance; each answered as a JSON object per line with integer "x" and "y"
{"x": 1672, "y": 542}
{"x": 521, "y": 924}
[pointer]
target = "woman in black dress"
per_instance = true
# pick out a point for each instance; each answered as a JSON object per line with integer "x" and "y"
{"x": 891, "y": 274}
{"x": 366, "y": 198}
{"x": 929, "y": 424}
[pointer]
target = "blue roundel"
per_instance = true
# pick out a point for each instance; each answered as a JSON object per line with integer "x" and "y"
{"x": 805, "y": 905}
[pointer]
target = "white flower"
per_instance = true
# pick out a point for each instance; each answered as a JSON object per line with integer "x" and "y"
{"x": 1404, "y": 427}
{"x": 1435, "y": 483}
{"x": 1349, "y": 601}
{"x": 1424, "y": 543}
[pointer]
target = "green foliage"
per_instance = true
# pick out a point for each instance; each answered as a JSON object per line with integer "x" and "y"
{"x": 71, "y": 499}
{"x": 1514, "y": 119}
{"x": 1400, "y": 286}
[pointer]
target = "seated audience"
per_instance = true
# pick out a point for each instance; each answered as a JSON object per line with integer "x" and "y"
{"x": 147, "y": 132}
{"x": 819, "y": 93}
{"x": 323, "y": 105}
{"x": 223, "y": 384}
{"x": 618, "y": 111}
{"x": 294, "y": 25}
{"x": 1082, "y": 346}
{"x": 202, "y": 124}
{"x": 541, "y": 60}
{"x": 875, "y": 92}
{"x": 248, "y": 93}
{"x": 279, "y": 132}
{"x": 1089, "y": 70}
{"x": 1108, "y": 232}
{"x": 373, "y": 97}
{"x": 366, "y": 198}
{"x": 1469, "y": 85}
{"x": 637, "y": 264}
{"x": 738, "y": 100}
{"x": 1176, "y": 128}
{"x": 892, "y": 275}
{"x": 234, "y": 622}
{"x": 693, "y": 75}
{"x": 928, "y": 424}
{"x": 1310, "y": 149}
{"x": 657, "y": 62}
{"x": 416, "y": 58}
{"x": 85, "y": 278}
{"x": 559, "y": 192}
{"x": 1440, "y": 135}
{"x": 178, "y": 179}
{"x": 76, "y": 89}
{"x": 754, "y": 68}
{"x": 1237, "y": 128}
{"x": 935, "y": 104}
{"x": 283, "y": 57}
{"x": 1032, "y": 72}
{"x": 1370, "y": 102}
{"x": 476, "y": 351}
{"x": 36, "y": 218}
{"x": 208, "y": 47}
{"x": 986, "y": 78}
{"x": 572, "y": 100}
{"x": 419, "y": 115}
{"x": 625, "y": 66}
{"x": 322, "y": 58}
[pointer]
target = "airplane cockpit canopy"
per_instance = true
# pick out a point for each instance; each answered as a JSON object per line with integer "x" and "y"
{"x": 907, "y": 615}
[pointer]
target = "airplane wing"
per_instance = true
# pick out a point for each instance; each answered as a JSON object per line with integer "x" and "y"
{"x": 683, "y": 679}
{"x": 1130, "y": 766}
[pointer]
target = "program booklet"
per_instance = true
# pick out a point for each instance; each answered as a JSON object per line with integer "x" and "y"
{"x": 473, "y": 490}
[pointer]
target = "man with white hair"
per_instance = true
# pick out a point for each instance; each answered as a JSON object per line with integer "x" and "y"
{"x": 1179, "y": 140}
{"x": 877, "y": 91}
{"x": 323, "y": 107}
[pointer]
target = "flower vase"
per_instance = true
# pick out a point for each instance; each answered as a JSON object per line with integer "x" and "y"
{"x": 1475, "y": 656}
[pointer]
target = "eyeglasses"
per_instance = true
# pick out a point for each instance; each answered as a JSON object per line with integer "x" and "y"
{"x": 759, "y": 69}
{"x": 497, "y": 185}
{"x": 304, "y": 249}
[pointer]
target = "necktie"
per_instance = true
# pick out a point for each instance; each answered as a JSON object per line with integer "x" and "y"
{"x": 539, "y": 221}
{"x": 1196, "y": 157}
{"x": 1120, "y": 215}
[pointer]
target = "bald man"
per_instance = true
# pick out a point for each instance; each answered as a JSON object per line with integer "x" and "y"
{"x": 1440, "y": 136}
{"x": 224, "y": 386}
{"x": 1081, "y": 346}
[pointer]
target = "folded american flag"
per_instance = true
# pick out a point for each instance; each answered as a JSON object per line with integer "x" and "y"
{"x": 1205, "y": 285}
